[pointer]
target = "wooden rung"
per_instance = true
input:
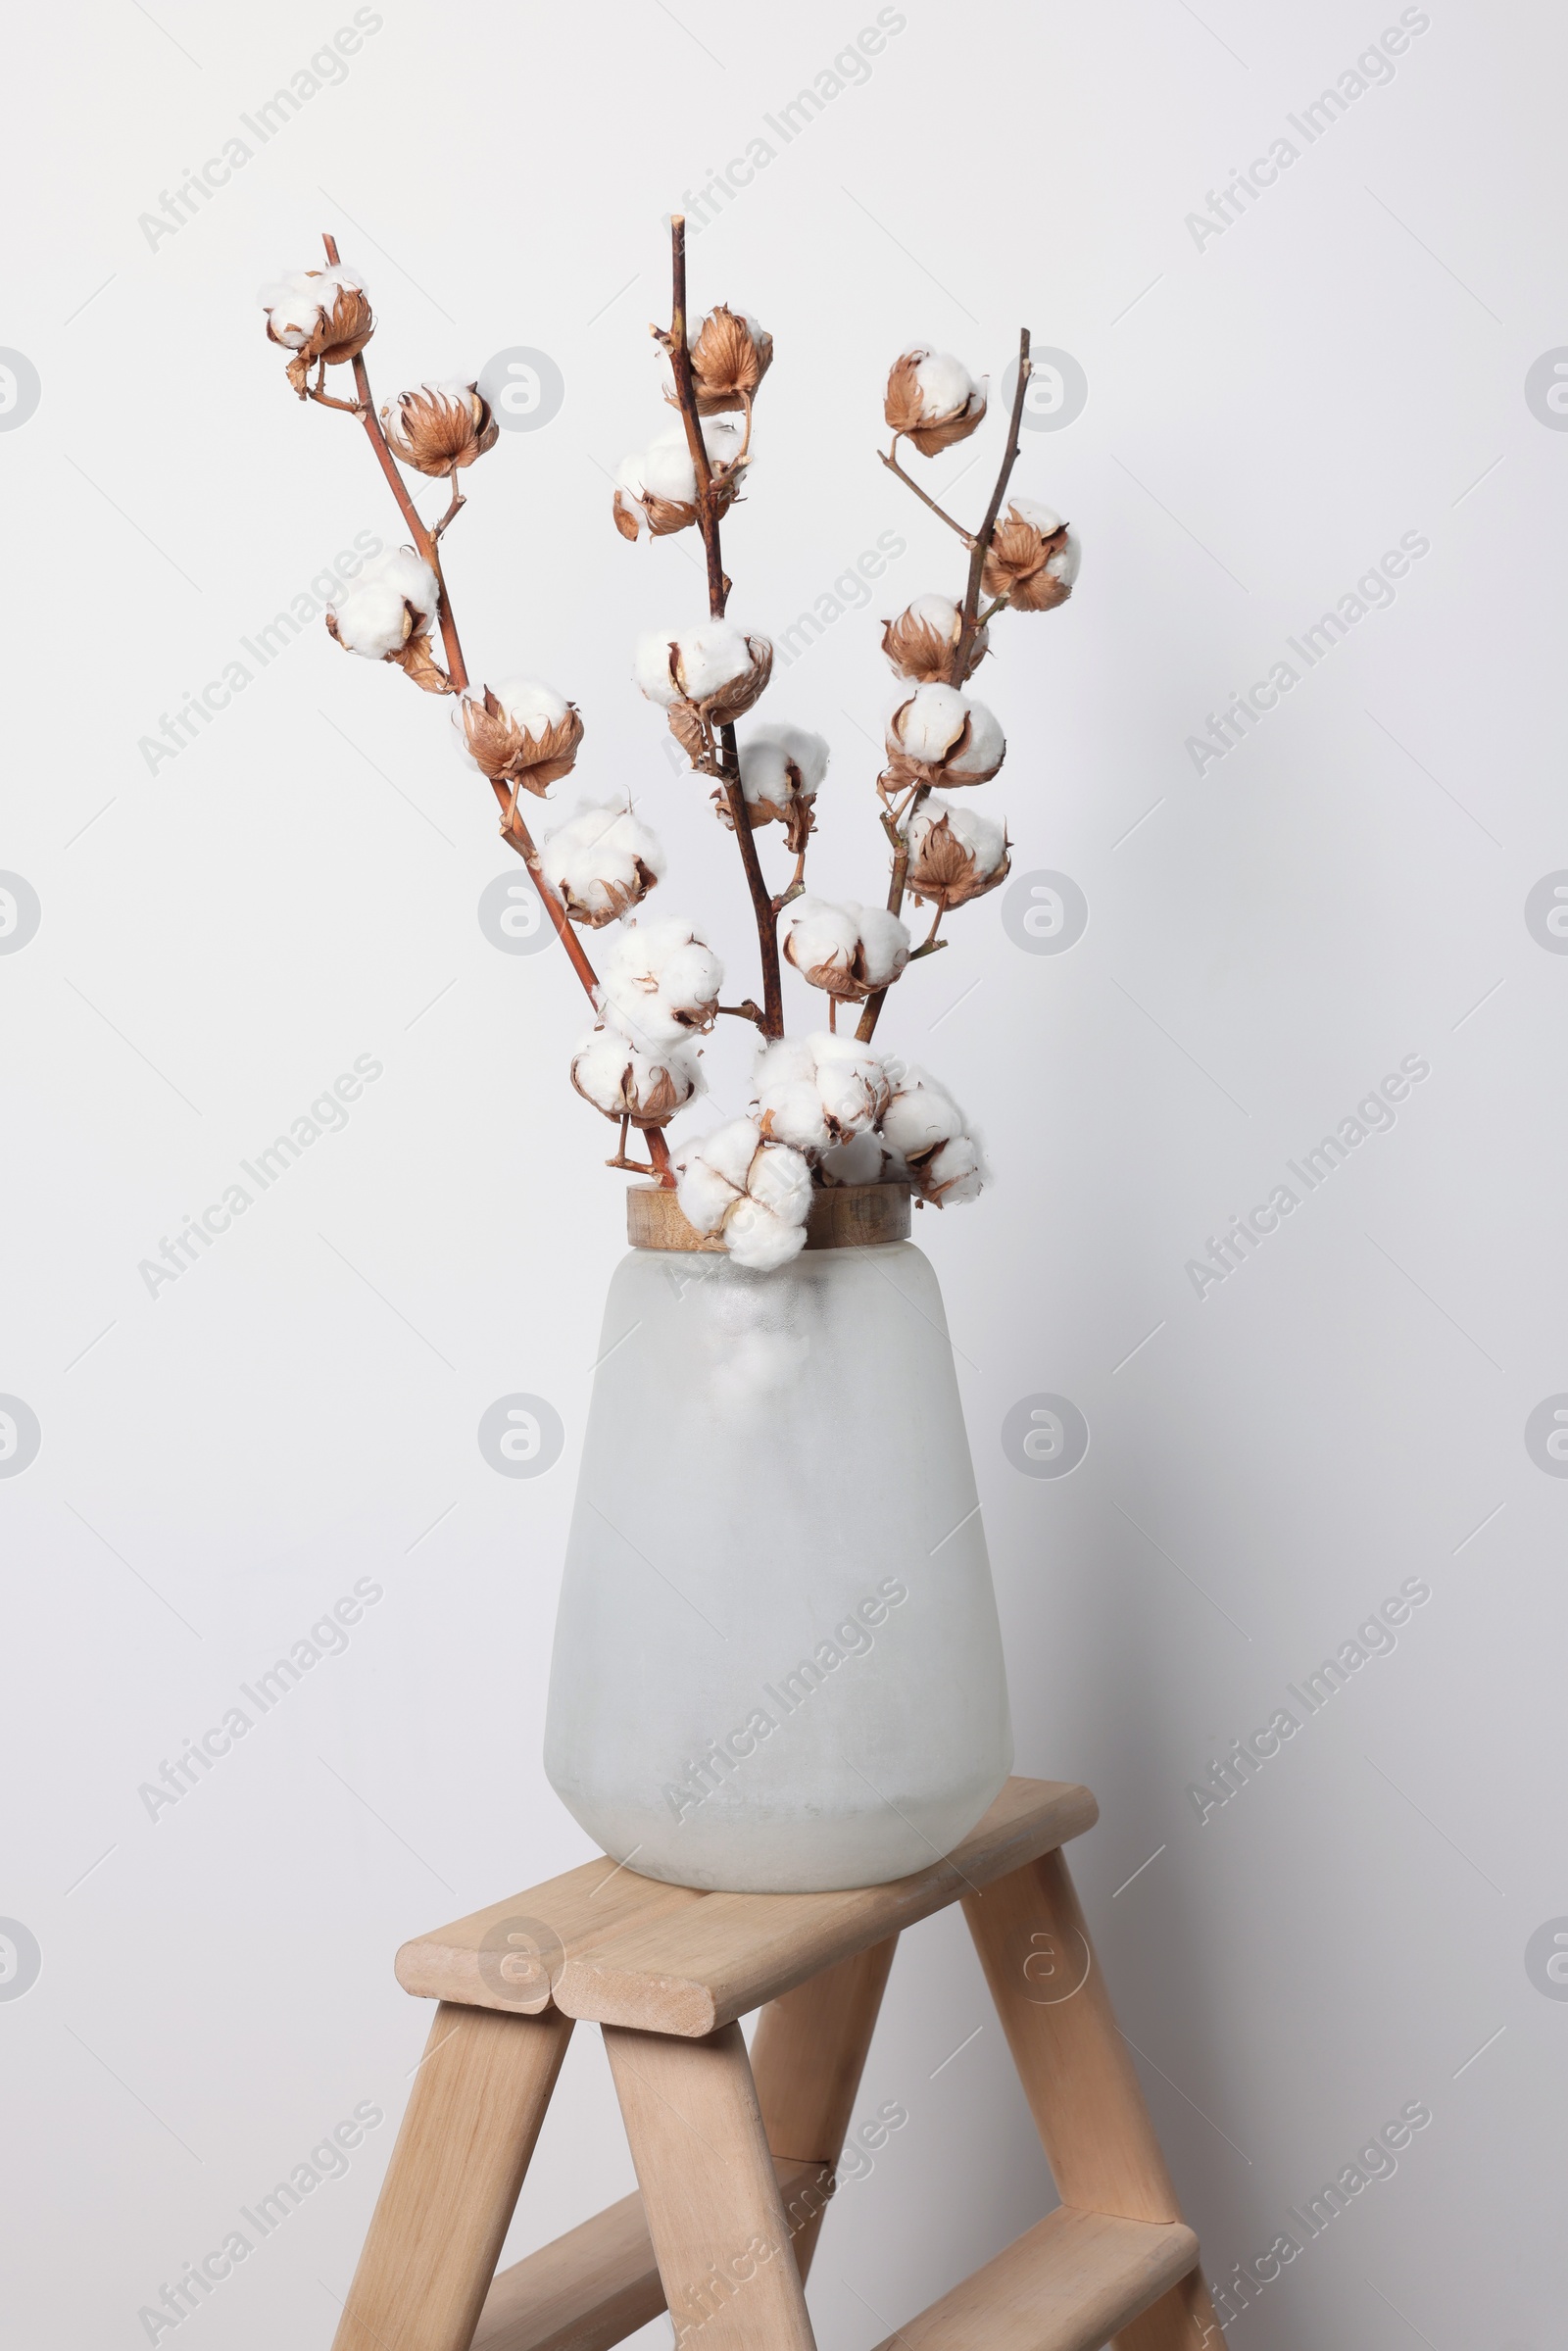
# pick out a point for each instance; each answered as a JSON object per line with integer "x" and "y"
{"x": 600, "y": 2283}
{"x": 1066, "y": 2285}
{"x": 688, "y": 1970}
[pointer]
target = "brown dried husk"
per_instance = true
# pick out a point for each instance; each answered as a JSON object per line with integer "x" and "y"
{"x": 417, "y": 661}
{"x": 340, "y": 334}
{"x": 1015, "y": 566}
{"x": 436, "y": 436}
{"x": 917, "y": 651}
{"x": 903, "y": 401}
{"x": 727, "y": 364}
{"x": 506, "y": 752}
{"x": 943, "y": 871}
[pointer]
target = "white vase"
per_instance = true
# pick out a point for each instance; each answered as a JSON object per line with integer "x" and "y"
{"x": 777, "y": 1663}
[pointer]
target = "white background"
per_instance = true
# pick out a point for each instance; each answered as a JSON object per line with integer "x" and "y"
{"x": 1267, "y": 413}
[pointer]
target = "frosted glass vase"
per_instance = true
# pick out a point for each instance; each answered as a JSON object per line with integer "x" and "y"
{"x": 777, "y": 1663}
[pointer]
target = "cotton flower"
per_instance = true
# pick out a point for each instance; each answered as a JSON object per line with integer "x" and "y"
{"x": 861, "y": 1161}
{"x": 932, "y": 398}
{"x": 757, "y": 1194}
{"x": 623, "y": 1081}
{"x": 955, "y": 1174}
{"x": 661, "y": 982}
{"x": 656, "y": 487}
{"x": 704, "y": 678}
{"x": 849, "y": 951}
{"x": 600, "y": 863}
{"x": 955, "y": 854}
{"x": 1033, "y": 558}
{"x": 521, "y": 732}
{"x": 939, "y": 736}
{"x": 386, "y": 614}
{"x": 818, "y": 1091}
{"x": 317, "y": 314}
{"x": 922, "y": 641}
{"x": 781, "y": 772}
{"x": 730, "y": 356}
{"x": 924, "y": 1129}
{"x": 439, "y": 428}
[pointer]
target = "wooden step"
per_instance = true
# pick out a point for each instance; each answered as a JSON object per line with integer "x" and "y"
{"x": 600, "y": 2283}
{"x": 691, "y": 1969}
{"x": 1067, "y": 2284}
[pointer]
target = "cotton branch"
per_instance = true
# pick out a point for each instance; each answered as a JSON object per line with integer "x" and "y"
{"x": 678, "y": 346}
{"x": 513, "y": 831}
{"x": 426, "y": 542}
{"x": 972, "y": 624}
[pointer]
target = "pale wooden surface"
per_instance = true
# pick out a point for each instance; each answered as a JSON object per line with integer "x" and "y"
{"x": 596, "y": 1899}
{"x": 695, "y": 1969}
{"x": 710, "y": 2192}
{"x": 479, "y": 2097}
{"x": 807, "y": 2060}
{"x": 1076, "y": 2072}
{"x": 1183, "y": 2320}
{"x": 1061, "y": 2287}
{"x": 596, "y": 2284}
{"x": 841, "y": 1217}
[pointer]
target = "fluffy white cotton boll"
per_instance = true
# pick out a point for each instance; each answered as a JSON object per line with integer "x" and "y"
{"x": 653, "y": 668}
{"x": 1064, "y": 563}
{"x": 661, "y": 982}
{"x": 928, "y": 721}
{"x": 984, "y": 837}
{"x": 529, "y": 704}
{"x": 602, "y": 861}
{"x": 986, "y": 748}
{"x": 884, "y": 944}
{"x": 821, "y": 939}
{"x": 955, "y": 1174}
{"x": 371, "y": 616}
{"x": 619, "y": 1078}
{"x": 770, "y": 751}
{"x": 858, "y": 1162}
{"x": 784, "y": 1096}
{"x": 851, "y": 1083}
{"x": 665, "y": 468}
{"x": 780, "y": 1181}
{"x": 758, "y": 1193}
{"x": 759, "y": 1239}
{"x": 294, "y": 304}
{"x": 945, "y": 383}
{"x": 921, "y": 1116}
{"x": 1044, "y": 518}
{"x": 711, "y": 658}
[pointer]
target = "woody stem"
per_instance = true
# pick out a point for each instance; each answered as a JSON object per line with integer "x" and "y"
{"x": 865, "y": 1029}
{"x": 680, "y": 360}
{"x": 457, "y": 667}
{"x": 980, "y": 544}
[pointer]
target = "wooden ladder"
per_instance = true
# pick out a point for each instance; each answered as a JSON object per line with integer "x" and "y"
{"x": 735, "y": 2154}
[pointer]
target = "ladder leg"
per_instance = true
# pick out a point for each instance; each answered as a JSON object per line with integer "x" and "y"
{"x": 710, "y": 2192}
{"x": 479, "y": 2097}
{"x": 806, "y": 2058}
{"x": 1079, "y": 2079}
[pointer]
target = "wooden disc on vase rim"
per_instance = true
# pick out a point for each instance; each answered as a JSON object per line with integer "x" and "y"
{"x": 841, "y": 1216}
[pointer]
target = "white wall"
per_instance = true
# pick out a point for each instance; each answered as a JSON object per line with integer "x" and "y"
{"x": 1270, "y": 409}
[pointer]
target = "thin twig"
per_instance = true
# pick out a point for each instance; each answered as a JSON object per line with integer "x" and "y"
{"x": 890, "y": 459}
{"x": 746, "y": 1012}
